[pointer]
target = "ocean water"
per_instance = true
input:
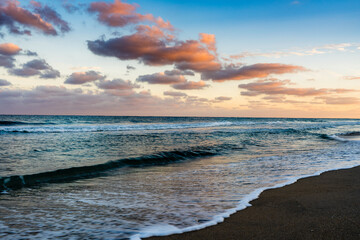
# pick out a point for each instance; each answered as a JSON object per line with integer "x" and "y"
{"x": 96, "y": 177}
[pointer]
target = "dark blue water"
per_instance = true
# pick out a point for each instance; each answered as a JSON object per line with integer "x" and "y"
{"x": 119, "y": 177}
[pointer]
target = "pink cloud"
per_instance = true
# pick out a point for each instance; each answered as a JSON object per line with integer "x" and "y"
{"x": 279, "y": 87}
{"x": 259, "y": 70}
{"x": 340, "y": 100}
{"x": 25, "y": 17}
{"x": 12, "y": 15}
{"x": 60, "y": 100}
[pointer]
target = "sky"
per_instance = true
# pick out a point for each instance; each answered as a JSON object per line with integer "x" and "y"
{"x": 258, "y": 58}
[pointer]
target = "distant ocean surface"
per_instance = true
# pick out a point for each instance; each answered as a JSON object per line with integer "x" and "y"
{"x": 96, "y": 177}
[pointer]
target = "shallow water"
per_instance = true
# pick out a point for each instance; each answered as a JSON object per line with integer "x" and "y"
{"x": 116, "y": 177}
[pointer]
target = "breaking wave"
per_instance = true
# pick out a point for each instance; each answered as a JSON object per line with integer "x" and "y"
{"x": 82, "y": 172}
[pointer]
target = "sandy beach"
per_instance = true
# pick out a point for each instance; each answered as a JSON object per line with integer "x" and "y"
{"x": 319, "y": 207}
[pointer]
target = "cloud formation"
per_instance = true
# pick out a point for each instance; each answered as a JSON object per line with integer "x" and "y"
{"x": 4, "y": 83}
{"x": 70, "y": 7}
{"x": 60, "y": 100}
{"x": 222, "y": 98}
{"x": 9, "y": 49}
{"x": 129, "y": 67}
{"x": 259, "y": 70}
{"x": 175, "y": 72}
{"x": 161, "y": 78}
{"x": 190, "y": 85}
{"x": 38, "y": 64}
{"x": 209, "y": 40}
{"x": 36, "y": 67}
{"x": 117, "y": 84}
{"x": 340, "y": 100}
{"x": 17, "y": 19}
{"x": 78, "y": 78}
{"x": 279, "y": 87}
{"x": 175, "y": 94}
{"x": 24, "y": 72}
{"x": 7, "y": 61}
{"x": 50, "y": 15}
{"x": 151, "y": 50}
{"x": 175, "y": 78}
{"x": 120, "y": 14}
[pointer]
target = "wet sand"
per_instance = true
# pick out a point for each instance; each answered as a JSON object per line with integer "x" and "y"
{"x": 319, "y": 207}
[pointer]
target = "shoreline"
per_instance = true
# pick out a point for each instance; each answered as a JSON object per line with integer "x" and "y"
{"x": 321, "y": 206}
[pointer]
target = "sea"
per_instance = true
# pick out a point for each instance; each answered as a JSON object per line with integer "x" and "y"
{"x": 103, "y": 177}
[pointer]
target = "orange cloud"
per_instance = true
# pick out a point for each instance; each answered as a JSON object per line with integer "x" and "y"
{"x": 154, "y": 32}
{"x": 163, "y": 24}
{"x": 9, "y": 49}
{"x": 259, "y": 70}
{"x": 209, "y": 40}
{"x": 151, "y": 45}
{"x": 119, "y": 14}
{"x": 153, "y": 49}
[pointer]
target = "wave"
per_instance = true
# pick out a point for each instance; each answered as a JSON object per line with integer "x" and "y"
{"x": 75, "y": 173}
{"x": 351, "y": 134}
{"x": 109, "y": 127}
{"x": 12, "y": 123}
{"x": 344, "y": 137}
{"x": 8, "y": 127}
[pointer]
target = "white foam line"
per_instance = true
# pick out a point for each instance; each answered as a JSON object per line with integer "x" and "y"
{"x": 165, "y": 230}
{"x": 337, "y": 138}
{"x": 110, "y": 127}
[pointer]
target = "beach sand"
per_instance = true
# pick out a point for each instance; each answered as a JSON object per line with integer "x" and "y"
{"x": 319, "y": 207}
